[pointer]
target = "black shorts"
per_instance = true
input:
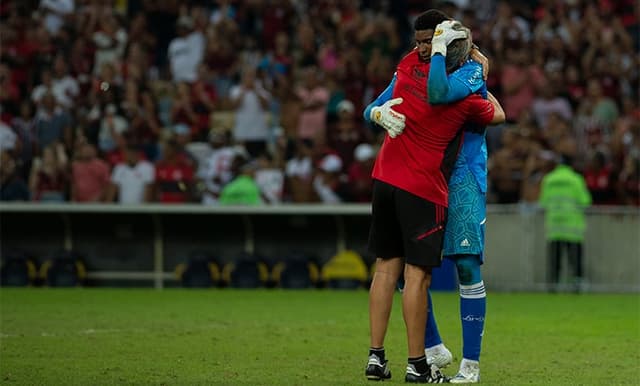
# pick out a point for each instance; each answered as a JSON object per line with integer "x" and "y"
{"x": 405, "y": 225}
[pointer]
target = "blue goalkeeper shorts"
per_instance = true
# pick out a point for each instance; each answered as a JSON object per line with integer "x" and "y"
{"x": 464, "y": 234}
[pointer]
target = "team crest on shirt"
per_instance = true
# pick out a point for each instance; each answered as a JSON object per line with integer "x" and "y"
{"x": 418, "y": 73}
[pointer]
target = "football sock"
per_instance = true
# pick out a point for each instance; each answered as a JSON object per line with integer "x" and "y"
{"x": 379, "y": 352}
{"x": 420, "y": 363}
{"x": 431, "y": 333}
{"x": 473, "y": 304}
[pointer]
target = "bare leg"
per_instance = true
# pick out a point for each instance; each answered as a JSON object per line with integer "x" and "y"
{"x": 414, "y": 306}
{"x": 381, "y": 297}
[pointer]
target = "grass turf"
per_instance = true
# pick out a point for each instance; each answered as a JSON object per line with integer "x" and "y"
{"x": 273, "y": 337}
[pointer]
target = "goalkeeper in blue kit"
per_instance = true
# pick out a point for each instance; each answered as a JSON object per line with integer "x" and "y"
{"x": 464, "y": 235}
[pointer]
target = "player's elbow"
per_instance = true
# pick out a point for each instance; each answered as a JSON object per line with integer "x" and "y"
{"x": 498, "y": 117}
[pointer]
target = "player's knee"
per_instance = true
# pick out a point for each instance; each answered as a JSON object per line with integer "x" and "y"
{"x": 468, "y": 269}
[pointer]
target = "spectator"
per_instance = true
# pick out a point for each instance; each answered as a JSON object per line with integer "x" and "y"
{"x": 132, "y": 180}
{"x": 8, "y": 138}
{"x": 12, "y": 186}
{"x": 174, "y": 175}
{"x": 599, "y": 177}
{"x": 90, "y": 176}
{"x": 186, "y": 51}
{"x": 314, "y": 97}
{"x": 520, "y": 77}
{"x": 110, "y": 40}
{"x": 24, "y": 128}
{"x": 112, "y": 127}
{"x": 299, "y": 173}
{"x": 360, "y": 181}
{"x": 270, "y": 179}
{"x": 49, "y": 180}
{"x": 216, "y": 171}
{"x": 250, "y": 101}
{"x": 346, "y": 133}
{"x": 629, "y": 181}
{"x": 548, "y": 101}
{"x": 329, "y": 182}
{"x": 53, "y": 124}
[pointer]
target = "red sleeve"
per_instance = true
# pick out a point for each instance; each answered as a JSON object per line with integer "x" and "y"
{"x": 481, "y": 111}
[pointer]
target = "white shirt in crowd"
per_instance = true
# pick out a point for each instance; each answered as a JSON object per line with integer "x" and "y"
{"x": 132, "y": 181}
{"x": 56, "y": 10}
{"x": 299, "y": 167}
{"x": 7, "y": 137}
{"x": 271, "y": 184}
{"x": 216, "y": 173}
{"x": 251, "y": 117}
{"x": 106, "y": 142}
{"x": 108, "y": 50}
{"x": 64, "y": 90}
{"x": 185, "y": 55}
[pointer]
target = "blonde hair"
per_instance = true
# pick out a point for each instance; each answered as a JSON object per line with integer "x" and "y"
{"x": 458, "y": 50}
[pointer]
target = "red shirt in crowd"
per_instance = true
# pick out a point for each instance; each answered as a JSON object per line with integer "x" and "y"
{"x": 174, "y": 180}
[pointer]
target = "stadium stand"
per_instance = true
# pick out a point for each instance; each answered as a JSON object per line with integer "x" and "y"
{"x": 129, "y": 74}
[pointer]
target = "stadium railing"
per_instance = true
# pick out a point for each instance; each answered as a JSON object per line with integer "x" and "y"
{"x": 146, "y": 242}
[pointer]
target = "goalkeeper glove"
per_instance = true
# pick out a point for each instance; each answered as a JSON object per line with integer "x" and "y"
{"x": 444, "y": 35}
{"x": 392, "y": 121}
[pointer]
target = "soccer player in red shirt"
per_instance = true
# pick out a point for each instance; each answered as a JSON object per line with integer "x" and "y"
{"x": 410, "y": 192}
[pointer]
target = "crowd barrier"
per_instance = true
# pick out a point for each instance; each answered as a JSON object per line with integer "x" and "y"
{"x": 144, "y": 243}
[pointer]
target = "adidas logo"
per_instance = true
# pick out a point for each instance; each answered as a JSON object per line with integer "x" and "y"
{"x": 465, "y": 243}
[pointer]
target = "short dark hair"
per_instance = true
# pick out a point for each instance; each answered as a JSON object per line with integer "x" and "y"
{"x": 429, "y": 20}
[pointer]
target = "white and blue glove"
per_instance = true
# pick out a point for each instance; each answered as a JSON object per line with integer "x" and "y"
{"x": 444, "y": 34}
{"x": 392, "y": 121}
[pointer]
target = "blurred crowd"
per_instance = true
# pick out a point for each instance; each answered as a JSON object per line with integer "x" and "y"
{"x": 260, "y": 101}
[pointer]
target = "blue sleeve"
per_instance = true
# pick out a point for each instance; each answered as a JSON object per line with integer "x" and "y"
{"x": 461, "y": 83}
{"x": 381, "y": 99}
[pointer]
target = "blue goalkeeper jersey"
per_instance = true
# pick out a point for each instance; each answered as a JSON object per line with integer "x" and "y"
{"x": 461, "y": 83}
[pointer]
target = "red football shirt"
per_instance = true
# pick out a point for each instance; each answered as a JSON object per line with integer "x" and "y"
{"x": 421, "y": 158}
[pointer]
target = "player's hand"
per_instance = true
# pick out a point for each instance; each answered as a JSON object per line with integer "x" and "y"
{"x": 444, "y": 34}
{"x": 390, "y": 120}
{"x": 479, "y": 57}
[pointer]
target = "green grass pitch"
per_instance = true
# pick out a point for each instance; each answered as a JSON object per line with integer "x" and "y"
{"x": 276, "y": 337}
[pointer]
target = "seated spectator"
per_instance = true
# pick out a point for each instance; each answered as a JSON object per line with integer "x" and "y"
{"x": 270, "y": 179}
{"x": 49, "y": 178}
{"x": 216, "y": 170}
{"x": 12, "y": 186}
{"x": 599, "y": 177}
{"x": 329, "y": 183}
{"x": 89, "y": 176}
{"x": 24, "y": 128}
{"x": 174, "y": 176}
{"x": 132, "y": 180}
{"x": 299, "y": 173}
{"x": 360, "y": 181}
{"x": 629, "y": 181}
{"x": 346, "y": 134}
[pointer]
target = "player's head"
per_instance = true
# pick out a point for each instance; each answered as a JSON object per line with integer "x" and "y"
{"x": 424, "y": 25}
{"x": 458, "y": 50}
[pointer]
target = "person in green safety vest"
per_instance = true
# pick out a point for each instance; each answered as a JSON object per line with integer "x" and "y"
{"x": 242, "y": 190}
{"x": 564, "y": 197}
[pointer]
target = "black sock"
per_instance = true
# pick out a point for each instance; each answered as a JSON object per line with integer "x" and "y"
{"x": 377, "y": 351}
{"x": 420, "y": 363}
